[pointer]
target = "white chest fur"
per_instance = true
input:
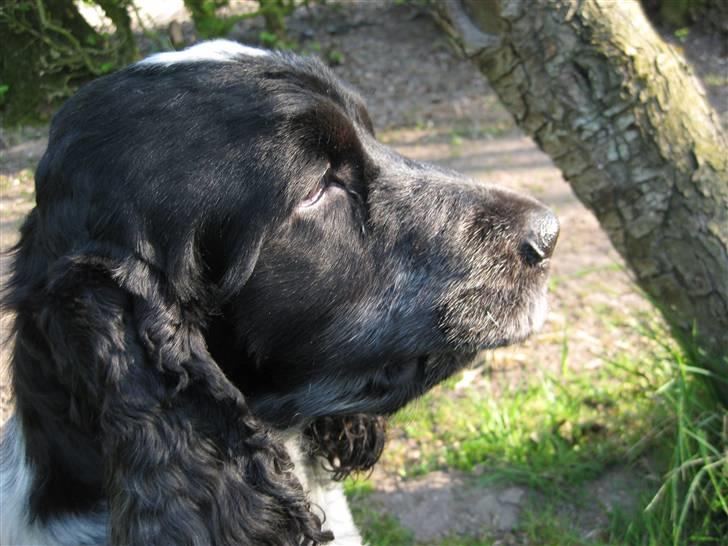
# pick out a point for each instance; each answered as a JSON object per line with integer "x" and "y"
{"x": 325, "y": 495}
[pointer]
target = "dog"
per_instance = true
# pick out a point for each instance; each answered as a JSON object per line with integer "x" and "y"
{"x": 226, "y": 286}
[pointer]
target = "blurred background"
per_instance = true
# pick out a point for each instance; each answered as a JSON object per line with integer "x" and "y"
{"x": 600, "y": 429}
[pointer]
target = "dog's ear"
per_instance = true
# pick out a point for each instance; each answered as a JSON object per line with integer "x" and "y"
{"x": 186, "y": 461}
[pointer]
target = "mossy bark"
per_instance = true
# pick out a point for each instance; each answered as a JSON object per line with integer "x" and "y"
{"x": 626, "y": 121}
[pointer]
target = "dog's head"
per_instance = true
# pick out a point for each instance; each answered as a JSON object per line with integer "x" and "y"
{"x": 265, "y": 243}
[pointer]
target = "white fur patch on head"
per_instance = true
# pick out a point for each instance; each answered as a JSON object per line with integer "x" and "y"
{"x": 215, "y": 50}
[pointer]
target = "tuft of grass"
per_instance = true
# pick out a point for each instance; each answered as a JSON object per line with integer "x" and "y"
{"x": 691, "y": 505}
{"x": 382, "y": 529}
{"x": 335, "y": 57}
{"x": 557, "y": 429}
{"x": 377, "y": 529}
{"x": 355, "y": 487}
{"x": 682, "y": 33}
{"x": 547, "y": 528}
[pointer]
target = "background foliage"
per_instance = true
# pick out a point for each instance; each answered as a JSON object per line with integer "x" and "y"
{"x": 49, "y": 49}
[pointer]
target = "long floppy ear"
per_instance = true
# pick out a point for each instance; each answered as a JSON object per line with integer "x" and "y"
{"x": 186, "y": 462}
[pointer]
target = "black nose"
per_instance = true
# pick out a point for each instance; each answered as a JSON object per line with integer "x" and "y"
{"x": 541, "y": 231}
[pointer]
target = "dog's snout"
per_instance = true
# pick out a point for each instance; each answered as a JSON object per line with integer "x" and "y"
{"x": 540, "y": 235}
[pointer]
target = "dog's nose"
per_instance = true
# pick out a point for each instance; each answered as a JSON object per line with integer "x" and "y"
{"x": 541, "y": 232}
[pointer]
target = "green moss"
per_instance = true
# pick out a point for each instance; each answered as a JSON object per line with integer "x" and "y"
{"x": 48, "y": 50}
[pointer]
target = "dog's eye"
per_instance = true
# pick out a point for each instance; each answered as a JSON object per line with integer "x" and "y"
{"x": 327, "y": 181}
{"x": 315, "y": 195}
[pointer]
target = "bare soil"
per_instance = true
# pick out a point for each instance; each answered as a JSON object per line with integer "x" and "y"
{"x": 434, "y": 106}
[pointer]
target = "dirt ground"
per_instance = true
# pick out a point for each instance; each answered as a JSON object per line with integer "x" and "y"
{"x": 431, "y": 105}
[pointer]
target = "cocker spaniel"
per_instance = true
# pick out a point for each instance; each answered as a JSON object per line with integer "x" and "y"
{"x": 225, "y": 283}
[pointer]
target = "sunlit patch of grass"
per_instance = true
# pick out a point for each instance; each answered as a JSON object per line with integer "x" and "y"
{"x": 544, "y": 527}
{"x": 381, "y": 529}
{"x": 377, "y": 528}
{"x": 555, "y": 429}
{"x": 691, "y": 505}
{"x": 357, "y": 486}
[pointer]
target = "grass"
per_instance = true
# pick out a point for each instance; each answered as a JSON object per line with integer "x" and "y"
{"x": 377, "y": 529}
{"x": 546, "y": 527}
{"x": 691, "y": 505}
{"x": 555, "y": 429}
{"x": 556, "y": 432}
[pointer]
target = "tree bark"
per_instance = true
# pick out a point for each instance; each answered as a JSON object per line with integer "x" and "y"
{"x": 622, "y": 116}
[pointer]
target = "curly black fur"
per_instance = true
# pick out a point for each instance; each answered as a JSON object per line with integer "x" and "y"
{"x": 350, "y": 444}
{"x": 184, "y": 460}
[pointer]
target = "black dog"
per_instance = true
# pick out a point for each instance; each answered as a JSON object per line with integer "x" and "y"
{"x": 225, "y": 281}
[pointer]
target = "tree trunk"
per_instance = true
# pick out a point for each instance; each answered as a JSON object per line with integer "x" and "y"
{"x": 622, "y": 116}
